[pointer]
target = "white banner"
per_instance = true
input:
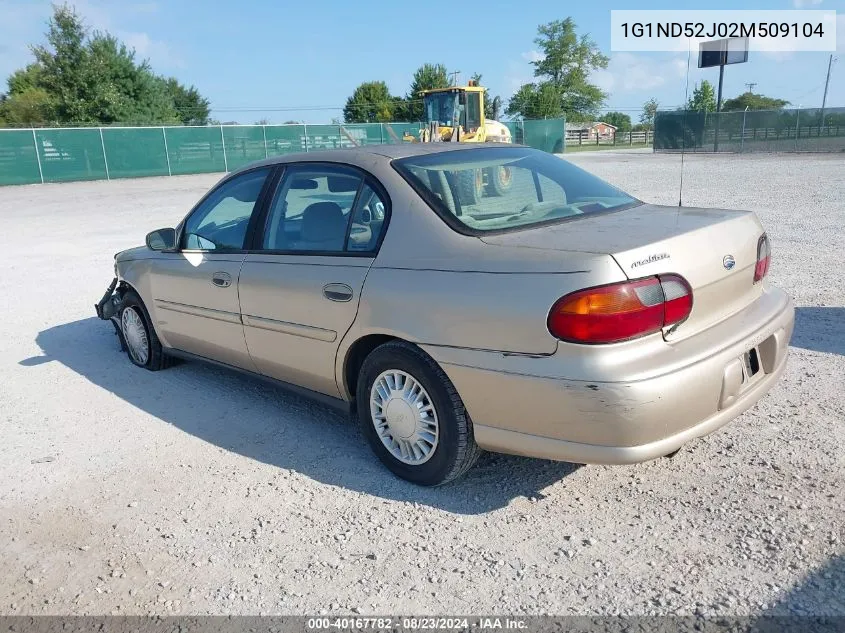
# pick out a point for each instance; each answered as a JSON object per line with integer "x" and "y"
{"x": 677, "y": 30}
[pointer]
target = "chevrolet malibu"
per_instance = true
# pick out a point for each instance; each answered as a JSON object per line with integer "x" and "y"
{"x": 459, "y": 299}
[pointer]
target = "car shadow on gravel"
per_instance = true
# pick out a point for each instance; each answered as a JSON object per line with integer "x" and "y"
{"x": 821, "y": 329}
{"x": 260, "y": 421}
{"x": 821, "y": 593}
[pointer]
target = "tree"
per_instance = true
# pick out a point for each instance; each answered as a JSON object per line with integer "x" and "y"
{"x": 703, "y": 98}
{"x": 536, "y": 101}
{"x": 31, "y": 107}
{"x": 191, "y": 107}
{"x": 371, "y": 102}
{"x": 25, "y": 78}
{"x": 648, "y": 113}
{"x": 82, "y": 77}
{"x": 753, "y": 102}
{"x": 620, "y": 120}
{"x": 426, "y": 77}
{"x": 563, "y": 68}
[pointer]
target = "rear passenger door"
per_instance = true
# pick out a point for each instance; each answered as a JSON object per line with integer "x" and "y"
{"x": 301, "y": 280}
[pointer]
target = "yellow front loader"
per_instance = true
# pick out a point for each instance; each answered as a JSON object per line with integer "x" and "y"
{"x": 456, "y": 115}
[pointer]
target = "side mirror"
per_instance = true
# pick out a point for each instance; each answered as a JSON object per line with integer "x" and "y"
{"x": 161, "y": 239}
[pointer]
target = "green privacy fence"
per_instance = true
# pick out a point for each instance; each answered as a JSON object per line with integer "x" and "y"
{"x": 67, "y": 154}
{"x": 785, "y": 130}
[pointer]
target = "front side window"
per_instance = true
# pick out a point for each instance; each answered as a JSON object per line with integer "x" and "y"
{"x": 443, "y": 107}
{"x": 324, "y": 208}
{"x": 502, "y": 188}
{"x": 220, "y": 222}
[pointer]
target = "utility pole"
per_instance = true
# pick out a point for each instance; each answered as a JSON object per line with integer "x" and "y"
{"x": 456, "y": 73}
{"x": 750, "y": 86}
{"x": 826, "y": 83}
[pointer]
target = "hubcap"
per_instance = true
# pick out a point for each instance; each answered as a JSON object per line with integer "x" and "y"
{"x": 135, "y": 335}
{"x": 404, "y": 417}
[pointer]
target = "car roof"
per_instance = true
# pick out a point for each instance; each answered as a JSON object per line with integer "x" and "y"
{"x": 360, "y": 155}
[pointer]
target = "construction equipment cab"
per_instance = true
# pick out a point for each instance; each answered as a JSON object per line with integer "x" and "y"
{"x": 456, "y": 114}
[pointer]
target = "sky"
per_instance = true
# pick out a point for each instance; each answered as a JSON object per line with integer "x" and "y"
{"x": 286, "y": 60}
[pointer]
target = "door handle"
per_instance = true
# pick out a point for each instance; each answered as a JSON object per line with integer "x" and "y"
{"x": 221, "y": 280}
{"x": 337, "y": 292}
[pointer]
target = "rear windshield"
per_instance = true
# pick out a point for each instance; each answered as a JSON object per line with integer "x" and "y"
{"x": 502, "y": 188}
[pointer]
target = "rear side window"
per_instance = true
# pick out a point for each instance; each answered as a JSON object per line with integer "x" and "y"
{"x": 505, "y": 188}
{"x": 324, "y": 209}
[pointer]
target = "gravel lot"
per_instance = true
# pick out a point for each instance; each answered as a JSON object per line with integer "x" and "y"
{"x": 199, "y": 491}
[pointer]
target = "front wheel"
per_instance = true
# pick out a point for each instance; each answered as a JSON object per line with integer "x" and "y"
{"x": 139, "y": 337}
{"x": 413, "y": 417}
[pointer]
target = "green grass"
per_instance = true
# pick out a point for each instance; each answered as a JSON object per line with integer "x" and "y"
{"x": 588, "y": 147}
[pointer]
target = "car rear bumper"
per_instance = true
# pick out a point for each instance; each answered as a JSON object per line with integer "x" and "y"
{"x": 630, "y": 421}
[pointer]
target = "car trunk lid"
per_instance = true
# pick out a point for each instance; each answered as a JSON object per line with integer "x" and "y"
{"x": 715, "y": 250}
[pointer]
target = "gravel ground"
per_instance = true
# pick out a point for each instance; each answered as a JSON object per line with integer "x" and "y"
{"x": 199, "y": 491}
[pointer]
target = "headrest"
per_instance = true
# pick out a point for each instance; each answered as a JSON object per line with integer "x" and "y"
{"x": 322, "y": 221}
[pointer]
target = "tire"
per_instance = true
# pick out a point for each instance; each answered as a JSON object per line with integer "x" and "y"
{"x": 454, "y": 451}
{"x": 499, "y": 180}
{"x": 470, "y": 185}
{"x": 155, "y": 358}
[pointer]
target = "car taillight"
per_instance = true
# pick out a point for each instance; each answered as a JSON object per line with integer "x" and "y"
{"x": 764, "y": 256}
{"x": 622, "y": 311}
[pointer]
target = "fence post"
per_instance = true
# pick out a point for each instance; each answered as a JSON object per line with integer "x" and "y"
{"x": 305, "y": 134}
{"x": 742, "y": 138}
{"x": 166, "y": 151}
{"x": 105, "y": 160}
{"x": 37, "y": 155}
{"x": 264, "y": 133}
{"x": 797, "y": 129}
{"x": 223, "y": 141}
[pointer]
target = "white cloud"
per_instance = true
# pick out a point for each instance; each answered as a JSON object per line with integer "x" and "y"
{"x": 158, "y": 52}
{"x": 533, "y": 56}
{"x": 25, "y": 21}
{"x": 840, "y": 32}
{"x": 634, "y": 72}
{"x": 516, "y": 75}
{"x": 806, "y": 4}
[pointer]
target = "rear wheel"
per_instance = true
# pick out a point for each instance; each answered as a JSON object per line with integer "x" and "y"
{"x": 142, "y": 345}
{"x": 499, "y": 180}
{"x": 413, "y": 417}
{"x": 470, "y": 185}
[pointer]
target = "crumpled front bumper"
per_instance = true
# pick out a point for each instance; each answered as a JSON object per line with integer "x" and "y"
{"x": 109, "y": 306}
{"x": 108, "y": 309}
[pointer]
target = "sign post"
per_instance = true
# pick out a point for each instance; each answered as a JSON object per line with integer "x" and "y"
{"x": 719, "y": 53}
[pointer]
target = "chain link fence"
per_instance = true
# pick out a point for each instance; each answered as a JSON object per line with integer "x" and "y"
{"x": 785, "y": 130}
{"x": 67, "y": 154}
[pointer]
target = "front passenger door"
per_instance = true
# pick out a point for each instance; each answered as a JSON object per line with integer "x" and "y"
{"x": 299, "y": 289}
{"x": 195, "y": 290}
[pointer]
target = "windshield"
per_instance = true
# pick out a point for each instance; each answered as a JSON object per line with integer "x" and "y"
{"x": 500, "y": 188}
{"x": 442, "y": 107}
